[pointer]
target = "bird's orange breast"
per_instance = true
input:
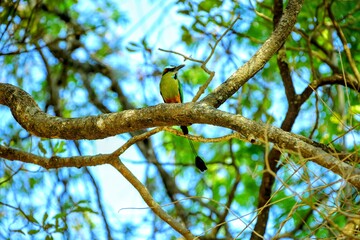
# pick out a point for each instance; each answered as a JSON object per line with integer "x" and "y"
{"x": 173, "y": 100}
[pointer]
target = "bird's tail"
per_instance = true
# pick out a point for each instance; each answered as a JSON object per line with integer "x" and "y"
{"x": 185, "y": 130}
{"x": 199, "y": 163}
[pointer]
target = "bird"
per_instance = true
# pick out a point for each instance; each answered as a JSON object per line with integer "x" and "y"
{"x": 171, "y": 89}
{"x": 171, "y": 92}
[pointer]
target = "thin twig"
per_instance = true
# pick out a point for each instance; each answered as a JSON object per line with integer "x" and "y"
{"x": 183, "y": 55}
{"x": 146, "y": 196}
{"x": 208, "y": 140}
{"x": 136, "y": 139}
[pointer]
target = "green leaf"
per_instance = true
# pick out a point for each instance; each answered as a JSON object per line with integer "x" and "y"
{"x": 33, "y": 231}
{"x": 185, "y": 12}
{"x": 60, "y": 147}
{"x": 82, "y": 201}
{"x": 18, "y": 231}
{"x": 49, "y": 237}
{"x": 32, "y": 219}
{"x": 48, "y": 226}
{"x": 83, "y": 209}
{"x": 207, "y": 5}
{"x": 45, "y": 217}
{"x": 186, "y": 35}
{"x": 41, "y": 147}
{"x": 60, "y": 215}
{"x": 133, "y": 47}
{"x": 61, "y": 230}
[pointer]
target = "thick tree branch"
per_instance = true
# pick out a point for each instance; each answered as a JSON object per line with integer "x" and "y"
{"x": 260, "y": 58}
{"x": 54, "y": 161}
{"x": 29, "y": 115}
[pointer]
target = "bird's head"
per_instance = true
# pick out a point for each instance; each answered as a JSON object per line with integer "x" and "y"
{"x": 172, "y": 69}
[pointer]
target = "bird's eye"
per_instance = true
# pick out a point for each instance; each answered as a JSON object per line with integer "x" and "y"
{"x": 165, "y": 71}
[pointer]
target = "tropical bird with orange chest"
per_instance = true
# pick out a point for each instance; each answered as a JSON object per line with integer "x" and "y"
{"x": 171, "y": 92}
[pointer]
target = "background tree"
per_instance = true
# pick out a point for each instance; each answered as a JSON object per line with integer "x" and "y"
{"x": 274, "y": 113}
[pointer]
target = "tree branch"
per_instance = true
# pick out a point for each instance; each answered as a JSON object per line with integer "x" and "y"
{"x": 260, "y": 58}
{"x": 82, "y": 161}
{"x": 29, "y": 115}
{"x": 155, "y": 207}
{"x": 273, "y": 157}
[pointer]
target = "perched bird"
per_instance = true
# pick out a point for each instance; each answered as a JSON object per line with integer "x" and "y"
{"x": 171, "y": 89}
{"x": 171, "y": 92}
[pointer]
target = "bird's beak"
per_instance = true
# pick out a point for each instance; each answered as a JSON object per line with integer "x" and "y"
{"x": 179, "y": 67}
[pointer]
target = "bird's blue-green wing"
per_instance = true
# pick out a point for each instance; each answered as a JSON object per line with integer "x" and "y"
{"x": 180, "y": 91}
